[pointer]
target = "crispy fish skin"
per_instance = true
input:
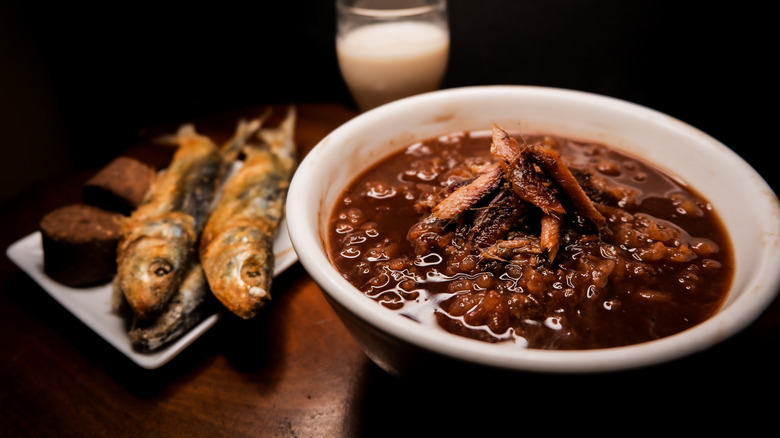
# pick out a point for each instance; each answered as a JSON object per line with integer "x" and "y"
{"x": 159, "y": 238}
{"x": 190, "y": 305}
{"x": 236, "y": 248}
{"x": 468, "y": 195}
{"x": 152, "y": 259}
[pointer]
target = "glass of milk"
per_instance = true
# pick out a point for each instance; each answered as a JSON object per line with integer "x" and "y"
{"x": 389, "y": 49}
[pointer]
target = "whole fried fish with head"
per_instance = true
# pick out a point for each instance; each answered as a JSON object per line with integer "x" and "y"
{"x": 159, "y": 239}
{"x": 236, "y": 248}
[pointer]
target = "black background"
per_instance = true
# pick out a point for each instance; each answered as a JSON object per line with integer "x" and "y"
{"x": 77, "y": 82}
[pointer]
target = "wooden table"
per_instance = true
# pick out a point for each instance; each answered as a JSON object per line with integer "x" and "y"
{"x": 294, "y": 371}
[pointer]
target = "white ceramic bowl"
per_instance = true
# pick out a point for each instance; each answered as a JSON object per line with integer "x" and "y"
{"x": 746, "y": 204}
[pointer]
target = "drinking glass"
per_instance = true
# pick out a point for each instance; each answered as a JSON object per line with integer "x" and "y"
{"x": 389, "y": 49}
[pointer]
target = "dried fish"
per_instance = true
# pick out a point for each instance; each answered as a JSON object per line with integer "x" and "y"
{"x": 493, "y": 222}
{"x": 468, "y": 195}
{"x": 520, "y": 171}
{"x": 487, "y": 208}
{"x": 551, "y": 163}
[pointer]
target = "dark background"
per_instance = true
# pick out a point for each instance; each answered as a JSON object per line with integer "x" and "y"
{"x": 78, "y": 83}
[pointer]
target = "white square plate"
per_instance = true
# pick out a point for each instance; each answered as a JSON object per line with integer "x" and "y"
{"x": 93, "y": 305}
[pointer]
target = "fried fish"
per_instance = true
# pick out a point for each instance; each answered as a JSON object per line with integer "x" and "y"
{"x": 159, "y": 239}
{"x": 236, "y": 248}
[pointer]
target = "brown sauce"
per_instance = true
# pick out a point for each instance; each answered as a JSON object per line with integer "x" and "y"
{"x": 660, "y": 264}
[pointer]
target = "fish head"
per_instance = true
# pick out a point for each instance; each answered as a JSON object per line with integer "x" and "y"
{"x": 152, "y": 264}
{"x": 255, "y": 273}
{"x": 239, "y": 265}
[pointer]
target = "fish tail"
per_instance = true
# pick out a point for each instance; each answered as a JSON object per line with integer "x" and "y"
{"x": 245, "y": 130}
{"x": 281, "y": 140}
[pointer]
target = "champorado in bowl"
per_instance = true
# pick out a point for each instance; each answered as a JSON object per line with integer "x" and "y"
{"x": 533, "y": 229}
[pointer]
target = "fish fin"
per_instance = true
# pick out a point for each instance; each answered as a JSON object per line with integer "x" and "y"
{"x": 281, "y": 140}
{"x": 186, "y": 130}
{"x": 245, "y": 130}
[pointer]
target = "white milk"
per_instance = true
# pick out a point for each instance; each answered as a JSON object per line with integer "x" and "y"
{"x": 387, "y": 61}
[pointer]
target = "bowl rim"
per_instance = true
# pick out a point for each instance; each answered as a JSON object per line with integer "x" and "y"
{"x": 739, "y": 314}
